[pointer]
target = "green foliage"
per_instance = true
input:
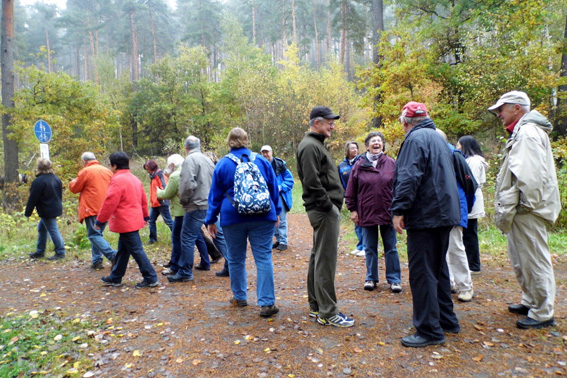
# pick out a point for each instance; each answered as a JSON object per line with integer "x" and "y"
{"x": 46, "y": 342}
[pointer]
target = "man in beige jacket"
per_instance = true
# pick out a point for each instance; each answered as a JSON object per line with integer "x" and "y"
{"x": 526, "y": 201}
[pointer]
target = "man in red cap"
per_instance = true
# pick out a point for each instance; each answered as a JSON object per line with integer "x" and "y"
{"x": 426, "y": 205}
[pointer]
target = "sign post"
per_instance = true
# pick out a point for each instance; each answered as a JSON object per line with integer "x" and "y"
{"x": 43, "y": 134}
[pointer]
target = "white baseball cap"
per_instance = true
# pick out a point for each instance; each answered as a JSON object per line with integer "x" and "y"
{"x": 513, "y": 97}
{"x": 266, "y": 148}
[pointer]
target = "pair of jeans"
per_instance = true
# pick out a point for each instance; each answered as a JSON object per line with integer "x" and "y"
{"x": 99, "y": 246}
{"x": 281, "y": 230}
{"x": 388, "y": 233}
{"x": 130, "y": 244}
{"x": 155, "y": 212}
{"x": 429, "y": 282}
{"x": 49, "y": 226}
{"x": 220, "y": 242}
{"x": 470, "y": 240}
{"x": 176, "y": 243}
{"x": 191, "y": 230}
{"x": 361, "y": 245}
{"x": 260, "y": 235}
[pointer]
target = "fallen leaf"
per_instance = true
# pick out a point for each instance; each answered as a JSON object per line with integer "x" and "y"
{"x": 179, "y": 360}
{"x": 136, "y": 353}
{"x": 478, "y": 358}
{"x": 358, "y": 350}
{"x": 196, "y": 362}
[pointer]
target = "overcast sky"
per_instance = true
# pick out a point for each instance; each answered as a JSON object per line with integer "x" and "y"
{"x": 61, "y": 3}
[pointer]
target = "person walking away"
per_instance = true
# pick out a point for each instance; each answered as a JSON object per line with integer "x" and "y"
{"x": 194, "y": 185}
{"x": 46, "y": 197}
{"x": 526, "y": 202}
{"x": 475, "y": 159}
{"x": 459, "y": 273}
{"x": 345, "y": 168}
{"x": 158, "y": 206}
{"x": 368, "y": 198}
{"x": 92, "y": 184}
{"x": 323, "y": 196}
{"x": 239, "y": 229}
{"x": 125, "y": 208}
{"x": 285, "y": 185}
{"x": 426, "y": 204}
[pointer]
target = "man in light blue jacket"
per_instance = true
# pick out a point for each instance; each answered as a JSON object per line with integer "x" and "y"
{"x": 285, "y": 184}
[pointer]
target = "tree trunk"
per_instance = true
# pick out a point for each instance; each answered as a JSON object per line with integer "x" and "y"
{"x": 343, "y": 31}
{"x": 153, "y": 35}
{"x": 7, "y": 62}
{"x": 317, "y": 46}
{"x": 284, "y": 29}
{"x": 561, "y": 120}
{"x": 48, "y": 50}
{"x": 377, "y": 29}
{"x": 93, "y": 54}
{"x": 295, "y": 40}
{"x": 329, "y": 30}
{"x": 254, "y": 23}
{"x": 135, "y": 65}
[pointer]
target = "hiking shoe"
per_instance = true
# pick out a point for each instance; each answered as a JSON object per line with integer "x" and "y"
{"x": 369, "y": 285}
{"x": 222, "y": 273}
{"x": 338, "y": 320}
{"x": 237, "y": 303}
{"x": 177, "y": 278}
{"x": 202, "y": 267}
{"x": 37, "y": 255}
{"x": 168, "y": 265}
{"x": 275, "y": 245}
{"x": 361, "y": 253}
{"x": 168, "y": 272}
{"x": 396, "y": 288}
{"x": 56, "y": 257}
{"x": 97, "y": 266}
{"x": 475, "y": 272}
{"x": 267, "y": 311}
{"x": 454, "y": 289}
{"x": 313, "y": 314}
{"x": 113, "y": 262}
{"x": 281, "y": 247}
{"x": 528, "y": 323}
{"x": 465, "y": 296}
{"x": 144, "y": 283}
{"x": 109, "y": 282}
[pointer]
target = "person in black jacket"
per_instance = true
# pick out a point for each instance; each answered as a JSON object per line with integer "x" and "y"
{"x": 46, "y": 194}
{"x": 426, "y": 204}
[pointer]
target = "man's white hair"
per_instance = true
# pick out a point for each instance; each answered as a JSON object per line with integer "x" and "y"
{"x": 88, "y": 156}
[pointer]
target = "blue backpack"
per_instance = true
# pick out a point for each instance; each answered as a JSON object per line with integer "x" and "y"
{"x": 251, "y": 194}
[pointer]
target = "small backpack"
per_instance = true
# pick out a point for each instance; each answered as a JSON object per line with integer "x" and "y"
{"x": 251, "y": 194}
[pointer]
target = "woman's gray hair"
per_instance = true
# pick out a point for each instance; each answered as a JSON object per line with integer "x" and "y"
{"x": 44, "y": 166}
{"x": 175, "y": 159}
{"x": 88, "y": 156}
{"x": 192, "y": 142}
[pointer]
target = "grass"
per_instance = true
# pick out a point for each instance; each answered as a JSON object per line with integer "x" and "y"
{"x": 46, "y": 343}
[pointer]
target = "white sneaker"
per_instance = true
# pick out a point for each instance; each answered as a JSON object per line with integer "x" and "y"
{"x": 396, "y": 288}
{"x": 360, "y": 253}
{"x": 354, "y": 252}
{"x": 465, "y": 296}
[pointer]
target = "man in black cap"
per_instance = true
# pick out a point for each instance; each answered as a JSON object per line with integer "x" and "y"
{"x": 323, "y": 198}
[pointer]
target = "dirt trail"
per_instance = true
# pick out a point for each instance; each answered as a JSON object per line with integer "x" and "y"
{"x": 189, "y": 329}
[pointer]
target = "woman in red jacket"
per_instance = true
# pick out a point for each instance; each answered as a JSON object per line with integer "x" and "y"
{"x": 158, "y": 206}
{"x": 126, "y": 211}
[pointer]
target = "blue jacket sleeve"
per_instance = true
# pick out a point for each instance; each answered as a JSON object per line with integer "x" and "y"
{"x": 287, "y": 181}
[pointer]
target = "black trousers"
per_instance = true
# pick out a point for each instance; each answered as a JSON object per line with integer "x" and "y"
{"x": 429, "y": 282}
{"x": 470, "y": 240}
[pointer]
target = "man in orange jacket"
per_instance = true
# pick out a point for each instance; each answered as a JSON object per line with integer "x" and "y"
{"x": 92, "y": 185}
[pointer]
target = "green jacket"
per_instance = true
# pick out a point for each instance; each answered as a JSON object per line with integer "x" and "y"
{"x": 171, "y": 192}
{"x": 322, "y": 187}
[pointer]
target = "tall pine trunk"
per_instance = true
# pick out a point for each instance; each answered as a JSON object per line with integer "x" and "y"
{"x": 561, "y": 120}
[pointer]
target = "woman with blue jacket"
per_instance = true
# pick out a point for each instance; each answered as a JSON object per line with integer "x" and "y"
{"x": 239, "y": 229}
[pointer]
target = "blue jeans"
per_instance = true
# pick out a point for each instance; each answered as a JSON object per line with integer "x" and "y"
{"x": 203, "y": 251}
{"x": 192, "y": 222}
{"x": 155, "y": 212}
{"x": 99, "y": 245}
{"x": 49, "y": 226}
{"x": 393, "y": 271}
{"x": 220, "y": 242}
{"x": 176, "y": 243}
{"x": 281, "y": 230}
{"x": 260, "y": 235}
{"x": 130, "y": 244}
{"x": 358, "y": 231}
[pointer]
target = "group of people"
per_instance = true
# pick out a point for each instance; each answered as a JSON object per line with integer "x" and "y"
{"x": 418, "y": 193}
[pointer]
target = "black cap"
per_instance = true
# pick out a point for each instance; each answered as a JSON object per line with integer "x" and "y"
{"x": 323, "y": 111}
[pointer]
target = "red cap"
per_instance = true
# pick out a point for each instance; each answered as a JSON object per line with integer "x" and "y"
{"x": 414, "y": 109}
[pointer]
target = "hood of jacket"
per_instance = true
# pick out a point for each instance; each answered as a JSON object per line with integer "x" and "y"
{"x": 537, "y": 119}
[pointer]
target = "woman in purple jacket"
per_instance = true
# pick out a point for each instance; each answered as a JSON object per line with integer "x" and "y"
{"x": 368, "y": 197}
